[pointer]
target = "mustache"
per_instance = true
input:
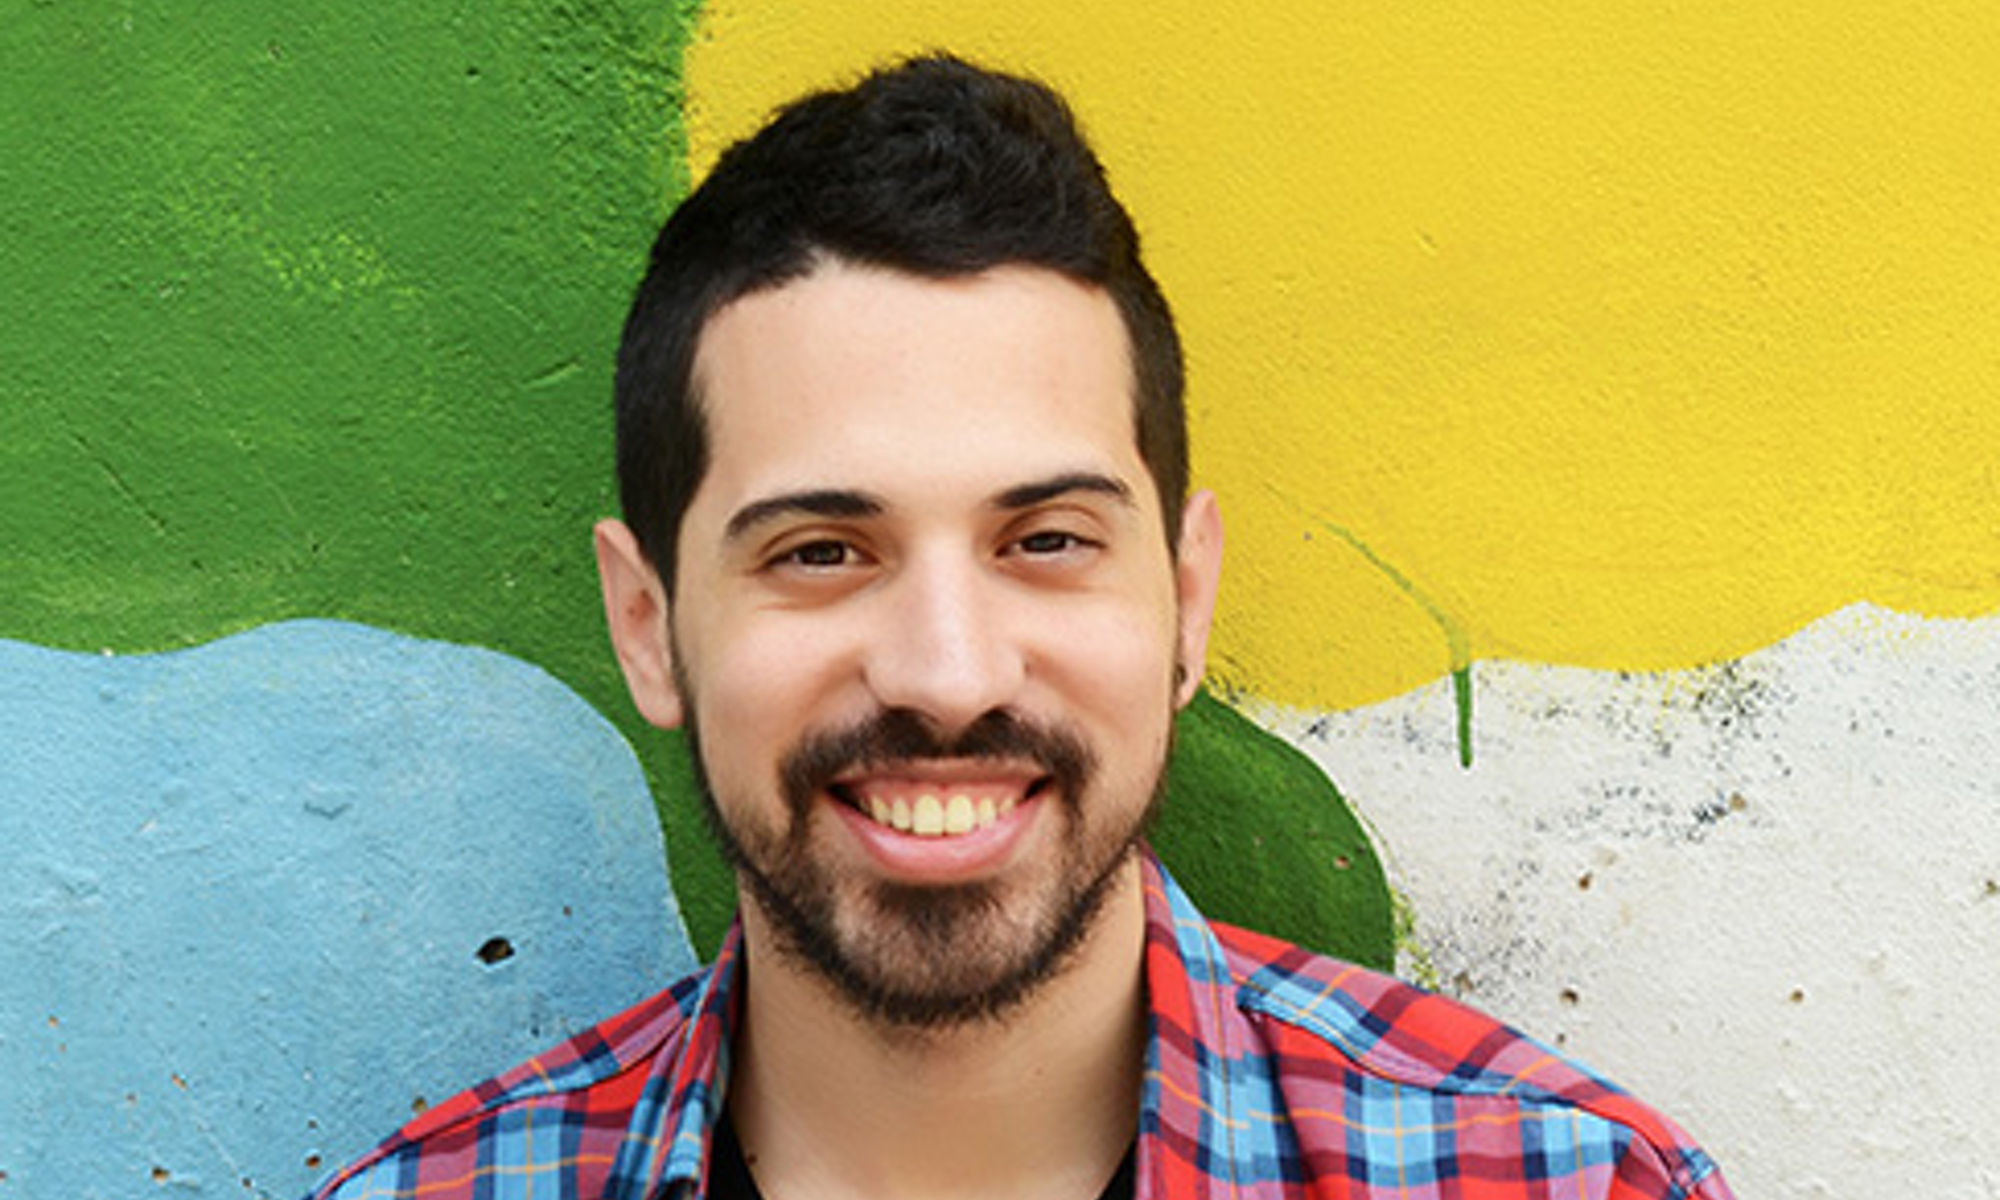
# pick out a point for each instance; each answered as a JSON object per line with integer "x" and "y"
{"x": 901, "y": 734}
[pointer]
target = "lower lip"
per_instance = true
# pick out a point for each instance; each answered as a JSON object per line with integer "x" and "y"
{"x": 939, "y": 860}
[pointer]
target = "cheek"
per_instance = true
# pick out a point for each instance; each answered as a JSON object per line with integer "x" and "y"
{"x": 1119, "y": 669}
{"x": 762, "y": 688}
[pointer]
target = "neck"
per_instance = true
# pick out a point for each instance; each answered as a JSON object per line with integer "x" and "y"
{"x": 1040, "y": 1103}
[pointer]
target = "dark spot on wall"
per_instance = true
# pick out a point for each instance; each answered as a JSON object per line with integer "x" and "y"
{"x": 161, "y": 1175}
{"x": 1730, "y": 698}
{"x": 1570, "y": 995}
{"x": 495, "y": 950}
{"x": 419, "y": 1106}
{"x": 1584, "y": 881}
{"x": 180, "y": 1083}
{"x": 329, "y": 809}
{"x": 1341, "y": 862}
{"x": 1715, "y": 812}
{"x": 1798, "y": 995}
{"x": 312, "y": 1162}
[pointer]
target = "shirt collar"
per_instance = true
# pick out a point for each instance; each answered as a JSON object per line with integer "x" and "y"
{"x": 675, "y": 1123}
{"x": 1189, "y": 1109}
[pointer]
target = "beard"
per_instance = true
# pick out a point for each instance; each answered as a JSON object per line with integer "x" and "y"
{"x": 927, "y": 957}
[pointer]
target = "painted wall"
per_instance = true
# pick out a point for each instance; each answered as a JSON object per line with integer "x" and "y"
{"x": 1573, "y": 372}
{"x": 263, "y": 899}
{"x": 309, "y": 314}
{"x": 312, "y": 316}
{"x": 1764, "y": 893}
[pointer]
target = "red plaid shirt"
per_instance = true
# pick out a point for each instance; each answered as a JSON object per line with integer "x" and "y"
{"x": 1271, "y": 1074}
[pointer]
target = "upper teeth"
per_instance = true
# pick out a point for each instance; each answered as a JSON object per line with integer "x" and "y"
{"x": 934, "y": 816}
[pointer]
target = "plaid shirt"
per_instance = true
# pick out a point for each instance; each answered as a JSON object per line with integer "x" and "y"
{"x": 1270, "y": 1073}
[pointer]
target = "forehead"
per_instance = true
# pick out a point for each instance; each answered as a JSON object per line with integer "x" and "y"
{"x": 862, "y": 375}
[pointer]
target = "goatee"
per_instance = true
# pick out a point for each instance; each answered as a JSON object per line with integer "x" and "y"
{"x": 923, "y": 957}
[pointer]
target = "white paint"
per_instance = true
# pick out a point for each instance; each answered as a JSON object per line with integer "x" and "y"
{"x": 1764, "y": 895}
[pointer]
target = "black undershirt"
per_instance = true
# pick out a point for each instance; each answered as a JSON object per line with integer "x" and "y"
{"x": 729, "y": 1174}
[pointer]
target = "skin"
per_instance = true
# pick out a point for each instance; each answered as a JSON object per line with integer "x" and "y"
{"x": 925, "y": 495}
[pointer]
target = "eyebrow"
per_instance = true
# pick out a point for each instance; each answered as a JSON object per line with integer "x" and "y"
{"x": 1027, "y": 495}
{"x": 848, "y": 503}
{"x": 819, "y": 502}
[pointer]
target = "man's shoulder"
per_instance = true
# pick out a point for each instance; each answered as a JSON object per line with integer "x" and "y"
{"x": 1394, "y": 1029}
{"x": 589, "y": 1085}
{"x": 1341, "y": 1038}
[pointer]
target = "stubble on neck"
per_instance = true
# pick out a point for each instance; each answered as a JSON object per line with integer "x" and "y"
{"x": 1038, "y": 1101}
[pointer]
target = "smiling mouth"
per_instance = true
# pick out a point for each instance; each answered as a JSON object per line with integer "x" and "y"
{"x": 930, "y": 809}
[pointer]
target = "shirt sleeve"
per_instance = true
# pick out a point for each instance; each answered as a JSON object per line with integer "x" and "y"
{"x": 1679, "y": 1172}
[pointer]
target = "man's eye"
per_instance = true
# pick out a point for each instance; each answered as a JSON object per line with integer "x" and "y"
{"x": 819, "y": 554}
{"x": 1049, "y": 542}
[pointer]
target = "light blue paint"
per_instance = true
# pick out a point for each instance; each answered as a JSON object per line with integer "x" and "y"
{"x": 243, "y": 888}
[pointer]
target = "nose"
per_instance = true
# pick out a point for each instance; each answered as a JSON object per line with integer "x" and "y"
{"x": 945, "y": 646}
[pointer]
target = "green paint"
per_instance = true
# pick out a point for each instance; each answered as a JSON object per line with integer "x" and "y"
{"x": 1260, "y": 837}
{"x": 1457, "y": 643}
{"x": 311, "y": 313}
{"x": 1461, "y": 698}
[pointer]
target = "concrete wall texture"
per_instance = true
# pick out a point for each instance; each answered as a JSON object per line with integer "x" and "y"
{"x": 1601, "y": 394}
{"x": 254, "y": 896}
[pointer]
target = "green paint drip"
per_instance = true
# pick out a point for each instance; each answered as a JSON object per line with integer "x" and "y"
{"x": 1461, "y": 695}
{"x": 1457, "y": 644}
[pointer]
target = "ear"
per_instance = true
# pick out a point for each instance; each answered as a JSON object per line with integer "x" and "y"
{"x": 635, "y": 607}
{"x": 1197, "y": 576}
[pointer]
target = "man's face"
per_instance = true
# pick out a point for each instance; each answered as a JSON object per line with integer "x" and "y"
{"x": 926, "y": 624}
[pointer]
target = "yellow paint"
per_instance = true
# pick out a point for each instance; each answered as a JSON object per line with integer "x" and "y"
{"x": 1630, "y": 335}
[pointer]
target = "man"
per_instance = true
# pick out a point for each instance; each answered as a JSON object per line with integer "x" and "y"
{"x": 908, "y": 552}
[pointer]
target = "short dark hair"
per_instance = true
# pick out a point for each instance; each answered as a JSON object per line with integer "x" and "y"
{"x": 933, "y": 167}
